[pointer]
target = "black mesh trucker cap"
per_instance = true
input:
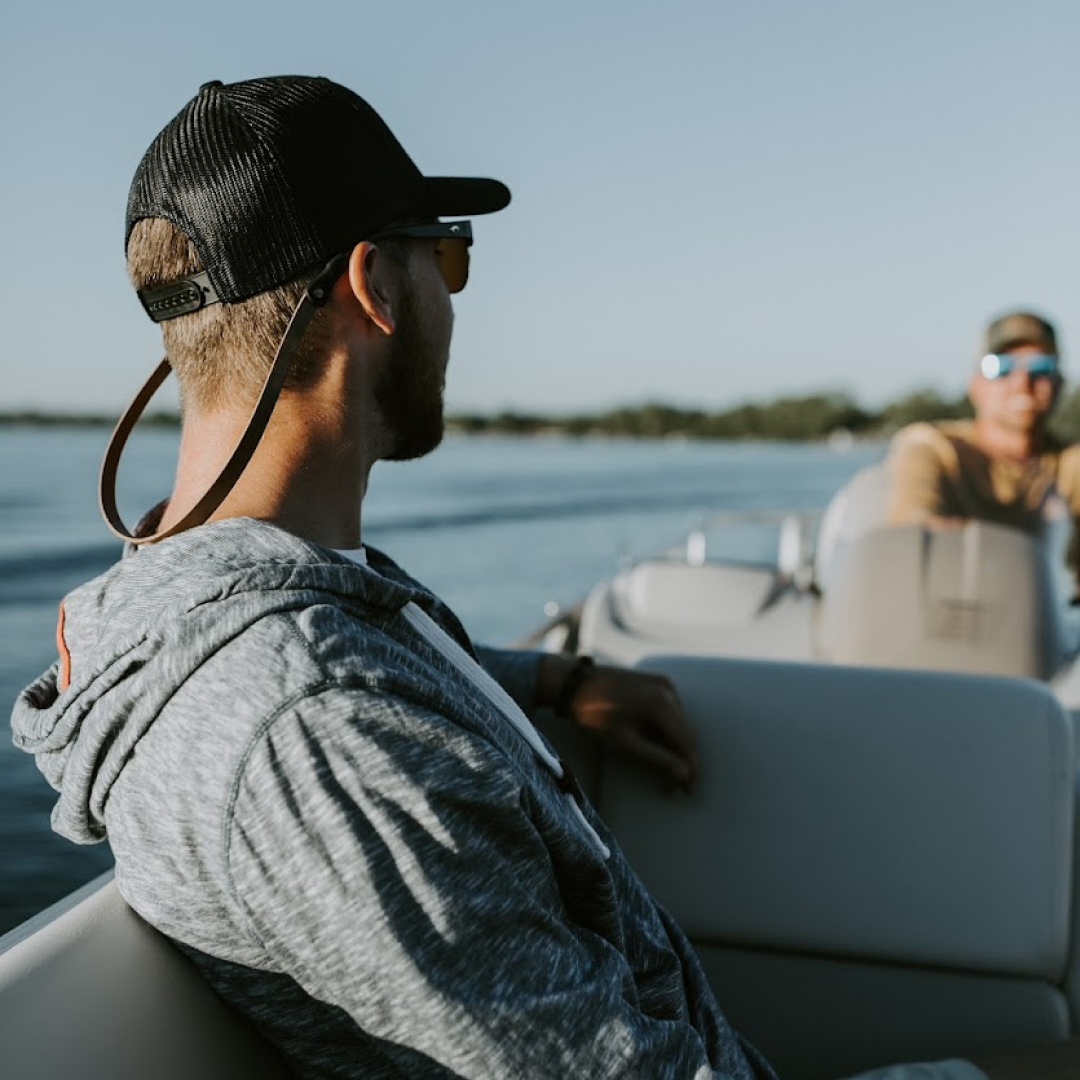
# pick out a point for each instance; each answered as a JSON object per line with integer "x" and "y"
{"x": 273, "y": 177}
{"x": 1019, "y": 328}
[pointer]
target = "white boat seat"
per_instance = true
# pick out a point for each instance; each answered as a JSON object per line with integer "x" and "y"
{"x": 978, "y": 597}
{"x": 665, "y": 597}
{"x": 96, "y": 994}
{"x": 875, "y": 866}
{"x": 859, "y": 506}
{"x": 663, "y": 605}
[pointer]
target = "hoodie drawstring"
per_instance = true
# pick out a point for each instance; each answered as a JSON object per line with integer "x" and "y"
{"x": 443, "y": 643}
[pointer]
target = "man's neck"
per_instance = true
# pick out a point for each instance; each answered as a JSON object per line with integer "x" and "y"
{"x": 1009, "y": 444}
{"x": 306, "y": 477}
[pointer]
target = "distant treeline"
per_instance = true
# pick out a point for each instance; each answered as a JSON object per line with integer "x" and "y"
{"x": 803, "y": 418}
{"x": 797, "y": 418}
{"x": 34, "y": 418}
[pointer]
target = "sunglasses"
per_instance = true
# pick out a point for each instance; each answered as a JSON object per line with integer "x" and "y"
{"x": 453, "y": 240}
{"x": 1002, "y": 365}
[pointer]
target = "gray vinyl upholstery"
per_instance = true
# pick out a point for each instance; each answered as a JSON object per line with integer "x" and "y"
{"x": 977, "y": 597}
{"x": 860, "y": 505}
{"x": 666, "y": 596}
{"x": 1072, "y": 970}
{"x": 96, "y": 994}
{"x": 875, "y": 866}
{"x": 662, "y": 605}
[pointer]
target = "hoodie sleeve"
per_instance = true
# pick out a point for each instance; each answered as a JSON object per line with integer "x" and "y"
{"x": 514, "y": 670}
{"x": 387, "y": 862}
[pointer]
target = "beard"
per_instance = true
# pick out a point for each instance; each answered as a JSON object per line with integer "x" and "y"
{"x": 409, "y": 392}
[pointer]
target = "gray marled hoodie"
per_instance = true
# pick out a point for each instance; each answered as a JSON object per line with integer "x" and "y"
{"x": 312, "y": 787}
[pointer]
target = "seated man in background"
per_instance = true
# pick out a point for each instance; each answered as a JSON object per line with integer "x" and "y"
{"x": 1003, "y": 466}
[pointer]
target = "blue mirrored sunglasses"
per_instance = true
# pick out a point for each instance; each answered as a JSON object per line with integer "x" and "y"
{"x": 1002, "y": 365}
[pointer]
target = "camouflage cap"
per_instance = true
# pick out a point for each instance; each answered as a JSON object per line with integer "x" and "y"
{"x": 1019, "y": 328}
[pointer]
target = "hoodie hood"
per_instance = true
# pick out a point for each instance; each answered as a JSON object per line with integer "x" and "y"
{"x": 129, "y": 638}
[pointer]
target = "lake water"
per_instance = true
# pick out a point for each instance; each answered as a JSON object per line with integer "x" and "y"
{"x": 500, "y": 528}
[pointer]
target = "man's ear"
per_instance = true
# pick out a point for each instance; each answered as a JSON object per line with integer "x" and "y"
{"x": 367, "y": 279}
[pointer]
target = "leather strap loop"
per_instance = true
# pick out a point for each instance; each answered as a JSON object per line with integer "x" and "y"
{"x": 314, "y": 297}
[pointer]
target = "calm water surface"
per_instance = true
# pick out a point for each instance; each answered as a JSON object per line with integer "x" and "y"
{"x": 498, "y": 527}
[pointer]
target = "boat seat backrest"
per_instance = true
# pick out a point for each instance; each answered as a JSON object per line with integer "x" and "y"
{"x": 1072, "y": 970}
{"x": 860, "y": 505}
{"x": 978, "y": 597}
{"x": 96, "y": 994}
{"x": 875, "y": 866}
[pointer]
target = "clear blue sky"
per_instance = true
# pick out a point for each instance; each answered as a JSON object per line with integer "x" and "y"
{"x": 713, "y": 201}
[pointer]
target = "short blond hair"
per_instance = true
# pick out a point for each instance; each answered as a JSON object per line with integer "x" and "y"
{"x": 221, "y": 354}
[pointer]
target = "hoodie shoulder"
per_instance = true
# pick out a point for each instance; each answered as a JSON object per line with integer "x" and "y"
{"x": 132, "y": 639}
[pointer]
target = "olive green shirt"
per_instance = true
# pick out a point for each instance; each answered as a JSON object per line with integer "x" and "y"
{"x": 938, "y": 471}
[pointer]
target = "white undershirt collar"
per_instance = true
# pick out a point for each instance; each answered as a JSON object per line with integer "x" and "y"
{"x": 357, "y": 555}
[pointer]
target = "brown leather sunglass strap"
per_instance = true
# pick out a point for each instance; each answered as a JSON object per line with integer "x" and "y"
{"x": 315, "y": 296}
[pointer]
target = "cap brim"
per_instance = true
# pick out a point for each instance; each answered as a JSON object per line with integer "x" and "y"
{"x": 451, "y": 196}
{"x": 1016, "y": 341}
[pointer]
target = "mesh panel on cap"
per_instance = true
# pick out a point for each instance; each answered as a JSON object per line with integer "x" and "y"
{"x": 272, "y": 177}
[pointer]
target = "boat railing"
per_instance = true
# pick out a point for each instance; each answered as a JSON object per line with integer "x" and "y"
{"x": 796, "y": 534}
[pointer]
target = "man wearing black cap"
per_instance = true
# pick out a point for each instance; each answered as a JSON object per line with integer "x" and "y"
{"x": 312, "y": 780}
{"x": 1003, "y": 466}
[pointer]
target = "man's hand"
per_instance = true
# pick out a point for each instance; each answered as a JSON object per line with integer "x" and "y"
{"x": 634, "y": 713}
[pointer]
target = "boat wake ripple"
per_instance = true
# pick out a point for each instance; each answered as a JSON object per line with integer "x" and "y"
{"x": 36, "y": 577}
{"x": 588, "y": 505}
